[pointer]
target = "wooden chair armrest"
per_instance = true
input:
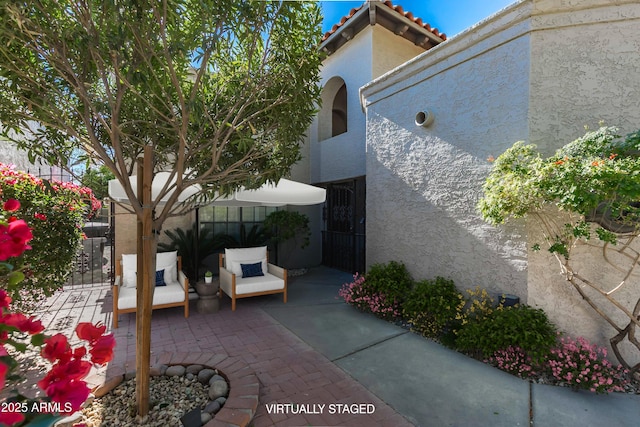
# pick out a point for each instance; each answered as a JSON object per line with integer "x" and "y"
{"x": 183, "y": 280}
{"x": 277, "y": 271}
{"x": 226, "y": 276}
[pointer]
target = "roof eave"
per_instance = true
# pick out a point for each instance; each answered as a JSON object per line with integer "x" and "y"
{"x": 380, "y": 13}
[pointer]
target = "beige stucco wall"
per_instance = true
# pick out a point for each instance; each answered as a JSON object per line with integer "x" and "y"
{"x": 538, "y": 71}
{"x": 11, "y": 155}
{"x": 126, "y": 229}
{"x": 389, "y": 50}
{"x": 585, "y": 69}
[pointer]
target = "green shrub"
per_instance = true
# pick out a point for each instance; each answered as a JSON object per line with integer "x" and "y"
{"x": 433, "y": 306}
{"x": 519, "y": 326}
{"x": 55, "y": 211}
{"x": 356, "y": 294}
{"x": 391, "y": 280}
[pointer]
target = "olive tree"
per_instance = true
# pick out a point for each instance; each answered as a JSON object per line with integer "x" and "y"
{"x": 216, "y": 92}
{"x": 586, "y": 194}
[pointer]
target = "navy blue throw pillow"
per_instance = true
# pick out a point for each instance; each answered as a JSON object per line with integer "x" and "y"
{"x": 252, "y": 270}
{"x": 160, "y": 278}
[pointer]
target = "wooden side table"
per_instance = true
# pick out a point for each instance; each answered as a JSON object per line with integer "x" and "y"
{"x": 208, "y": 301}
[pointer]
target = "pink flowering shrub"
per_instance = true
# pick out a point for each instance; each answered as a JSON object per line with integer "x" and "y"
{"x": 582, "y": 365}
{"x": 64, "y": 384}
{"x": 573, "y": 363}
{"x": 513, "y": 360}
{"x": 55, "y": 212}
{"x": 358, "y": 295}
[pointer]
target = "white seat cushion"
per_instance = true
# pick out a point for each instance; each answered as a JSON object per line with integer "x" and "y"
{"x": 235, "y": 257}
{"x": 249, "y": 285}
{"x": 164, "y": 261}
{"x": 171, "y": 293}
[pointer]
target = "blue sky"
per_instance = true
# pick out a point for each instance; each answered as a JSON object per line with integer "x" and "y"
{"x": 448, "y": 16}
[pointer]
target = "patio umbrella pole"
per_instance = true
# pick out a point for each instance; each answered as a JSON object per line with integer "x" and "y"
{"x": 144, "y": 294}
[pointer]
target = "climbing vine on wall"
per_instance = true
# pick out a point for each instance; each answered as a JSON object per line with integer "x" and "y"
{"x": 595, "y": 182}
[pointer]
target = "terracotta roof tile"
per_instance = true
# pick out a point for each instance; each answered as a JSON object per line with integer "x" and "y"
{"x": 390, "y": 5}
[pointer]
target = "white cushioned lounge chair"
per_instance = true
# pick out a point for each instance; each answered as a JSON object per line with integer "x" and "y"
{"x": 172, "y": 285}
{"x": 246, "y": 272}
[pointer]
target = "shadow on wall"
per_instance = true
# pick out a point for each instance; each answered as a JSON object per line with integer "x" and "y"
{"x": 422, "y": 193}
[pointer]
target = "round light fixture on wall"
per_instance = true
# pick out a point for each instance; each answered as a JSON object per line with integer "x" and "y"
{"x": 424, "y": 118}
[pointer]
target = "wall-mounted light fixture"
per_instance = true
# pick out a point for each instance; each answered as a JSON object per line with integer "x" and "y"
{"x": 424, "y": 118}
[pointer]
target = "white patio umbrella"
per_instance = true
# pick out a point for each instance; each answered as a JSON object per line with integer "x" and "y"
{"x": 286, "y": 192}
{"x": 117, "y": 193}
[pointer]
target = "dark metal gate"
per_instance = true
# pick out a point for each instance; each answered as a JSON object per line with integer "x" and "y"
{"x": 343, "y": 238}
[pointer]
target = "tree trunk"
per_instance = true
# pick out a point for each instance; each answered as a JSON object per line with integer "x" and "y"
{"x": 144, "y": 294}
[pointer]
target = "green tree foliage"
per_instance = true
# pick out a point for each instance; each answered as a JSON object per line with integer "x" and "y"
{"x": 222, "y": 91}
{"x": 594, "y": 179}
{"x": 193, "y": 253}
{"x": 97, "y": 179}
{"x": 286, "y": 225}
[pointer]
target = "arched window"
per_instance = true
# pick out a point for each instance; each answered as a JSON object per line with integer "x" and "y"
{"x": 332, "y": 117}
{"x": 339, "y": 112}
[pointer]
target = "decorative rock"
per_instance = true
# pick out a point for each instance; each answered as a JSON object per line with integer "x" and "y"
{"x": 216, "y": 378}
{"x": 194, "y": 369}
{"x": 192, "y": 418}
{"x": 218, "y": 389}
{"x": 212, "y": 408}
{"x": 175, "y": 371}
{"x": 129, "y": 375}
{"x": 205, "y": 375}
{"x": 69, "y": 421}
{"x": 163, "y": 369}
{"x": 205, "y": 418}
{"x": 173, "y": 395}
{"x": 156, "y": 371}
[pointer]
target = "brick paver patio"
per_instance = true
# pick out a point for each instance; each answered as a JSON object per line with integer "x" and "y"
{"x": 288, "y": 369}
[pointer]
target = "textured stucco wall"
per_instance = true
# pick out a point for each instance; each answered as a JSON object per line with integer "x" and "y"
{"x": 585, "y": 68}
{"x": 423, "y": 184}
{"x": 538, "y": 71}
{"x": 576, "y": 83}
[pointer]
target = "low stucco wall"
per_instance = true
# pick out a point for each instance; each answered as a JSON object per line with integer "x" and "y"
{"x": 538, "y": 71}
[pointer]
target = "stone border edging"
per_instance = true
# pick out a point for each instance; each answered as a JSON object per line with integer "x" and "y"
{"x": 244, "y": 387}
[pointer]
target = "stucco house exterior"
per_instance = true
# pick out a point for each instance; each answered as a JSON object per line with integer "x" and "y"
{"x": 537, "y": 71}
{"x": 370, "y": 41}
{"x": 403, "y": 187}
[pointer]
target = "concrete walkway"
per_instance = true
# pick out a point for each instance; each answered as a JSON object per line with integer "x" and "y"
{"x": 320, "y": 354}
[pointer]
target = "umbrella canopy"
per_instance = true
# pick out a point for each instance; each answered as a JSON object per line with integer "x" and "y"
{"x": 117, "y": 193}
{"x": 285, "y": 192}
